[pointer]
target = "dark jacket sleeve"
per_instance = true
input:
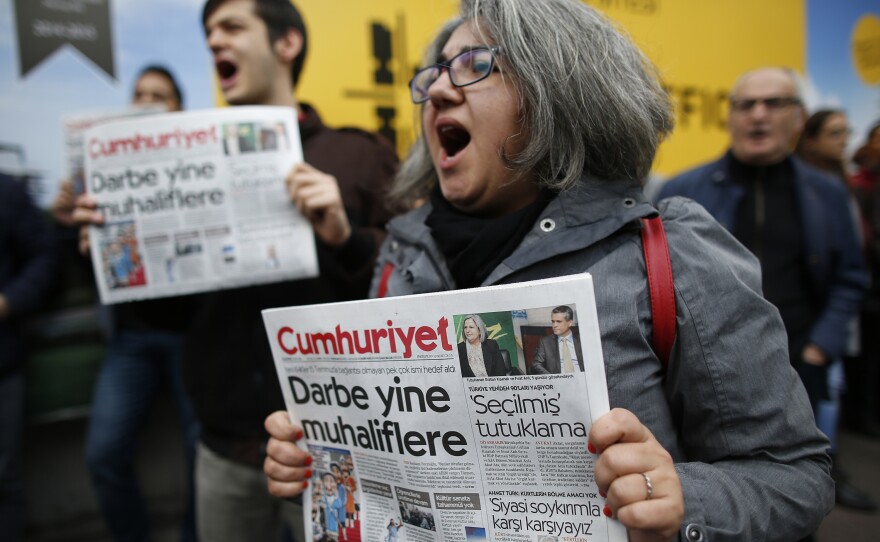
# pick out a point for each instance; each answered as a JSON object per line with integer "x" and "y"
{"x": 29, "y": 248}
{"x": 539, "y": 364}
{"x": 364, "y": 179}
{"x": 843, "y": 271}
{"x": 463, "y": 362}
{"x": 492, "y": 358}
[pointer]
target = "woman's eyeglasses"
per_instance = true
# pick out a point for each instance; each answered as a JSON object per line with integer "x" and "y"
{"x": 464, "y": 69}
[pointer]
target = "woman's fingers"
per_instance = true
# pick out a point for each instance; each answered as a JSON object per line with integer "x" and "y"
{"x": 629, "y": 458}
{"x": 637, "y": 476}
{"x": 618, "y": 425}
{"x": 287, "y": 466}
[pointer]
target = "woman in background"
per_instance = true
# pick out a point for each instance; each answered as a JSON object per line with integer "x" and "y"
{"x": 823, "y": 142}
{"x": 861, "y": 410}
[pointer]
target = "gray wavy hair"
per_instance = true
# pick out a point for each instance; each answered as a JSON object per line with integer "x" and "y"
{"x": 477, "y": 322}
{"x": 590, "y": 101}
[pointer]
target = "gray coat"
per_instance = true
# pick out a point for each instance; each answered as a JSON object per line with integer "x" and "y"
{"x": 730, "y": 409}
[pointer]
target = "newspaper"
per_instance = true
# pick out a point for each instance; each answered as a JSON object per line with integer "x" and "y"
{"x": 195, "y": 202}
{"x": 74, "y": 127}
{"x": 406, "y": 449}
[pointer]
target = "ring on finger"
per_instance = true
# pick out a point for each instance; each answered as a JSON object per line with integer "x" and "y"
{"x": 649, "y": 486}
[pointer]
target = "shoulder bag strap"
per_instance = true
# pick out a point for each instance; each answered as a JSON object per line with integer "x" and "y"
{"x": 661, "y": 287}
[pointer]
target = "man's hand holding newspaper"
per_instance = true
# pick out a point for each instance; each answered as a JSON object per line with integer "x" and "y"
{"x": 317, "y": 196}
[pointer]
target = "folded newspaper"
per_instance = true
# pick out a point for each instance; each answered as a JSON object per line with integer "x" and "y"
{"x": 406, "y": 447}
{"x": 195, "y": 202}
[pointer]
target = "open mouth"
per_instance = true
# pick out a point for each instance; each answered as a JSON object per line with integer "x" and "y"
{"x": 226, "y": 71}
{"x": 453, "y": 139}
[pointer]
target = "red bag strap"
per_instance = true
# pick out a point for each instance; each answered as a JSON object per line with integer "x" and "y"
{"x": 660, "y": 285}
{"x": 383, "y": 280}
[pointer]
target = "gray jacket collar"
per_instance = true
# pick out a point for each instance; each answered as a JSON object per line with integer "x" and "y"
{"x": 577, "y": 218}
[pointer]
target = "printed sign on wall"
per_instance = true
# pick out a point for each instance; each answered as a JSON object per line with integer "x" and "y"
{"x": 46, "y": 26}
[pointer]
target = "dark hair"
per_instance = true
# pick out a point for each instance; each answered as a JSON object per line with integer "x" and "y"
{"x": 166, "y": 73}
{"x": 868, "y": 156}
{"x": 812, "y": 128}
{"x": 565, "y": 311}
{"x": 279, "y": 16}
{"x": 814, "y": 124}
{"x": 873, "y": 131}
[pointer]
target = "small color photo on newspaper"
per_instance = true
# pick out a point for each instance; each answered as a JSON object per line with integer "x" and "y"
{"x": 415, "y": 508}
{"x": 543, "y": 340}
{"x": 252, "y": 137}
{"x": 121, "y": 256}
{"x": 336, "y": 501}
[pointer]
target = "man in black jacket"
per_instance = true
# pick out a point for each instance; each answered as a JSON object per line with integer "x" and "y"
{"x": 259, "y": 47}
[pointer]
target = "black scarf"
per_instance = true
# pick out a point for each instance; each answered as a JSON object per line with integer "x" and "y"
{"x": 474, "y": 246}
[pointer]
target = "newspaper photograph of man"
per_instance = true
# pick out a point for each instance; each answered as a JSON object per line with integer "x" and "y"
{"x": 560, "y": 352}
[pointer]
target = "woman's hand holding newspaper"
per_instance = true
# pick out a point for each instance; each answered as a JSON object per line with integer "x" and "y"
{"x": 286, "y": 465}
{"x": 638, "y": 476}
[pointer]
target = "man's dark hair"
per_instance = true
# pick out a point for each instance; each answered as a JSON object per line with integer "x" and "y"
{"x": 279, "y": 16}
{"x": 565, "y": 311}
{"x": 166, "y": 73}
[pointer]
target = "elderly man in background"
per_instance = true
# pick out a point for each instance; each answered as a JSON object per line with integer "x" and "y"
{"x": 794, "y": 218}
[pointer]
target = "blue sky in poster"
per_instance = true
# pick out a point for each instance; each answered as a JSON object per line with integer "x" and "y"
{"x": 830, "y": 66}
{"x": 144, "y": 32}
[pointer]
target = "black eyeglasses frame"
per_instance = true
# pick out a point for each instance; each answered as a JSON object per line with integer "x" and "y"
{"x": 439, "y": 66}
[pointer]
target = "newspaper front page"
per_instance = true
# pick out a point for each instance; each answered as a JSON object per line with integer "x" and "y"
{"x": 195, "y": 202}
{"x": 408, "y": 449}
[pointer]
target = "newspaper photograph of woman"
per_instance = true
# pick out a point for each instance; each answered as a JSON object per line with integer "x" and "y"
{"x": 478, "y": 354}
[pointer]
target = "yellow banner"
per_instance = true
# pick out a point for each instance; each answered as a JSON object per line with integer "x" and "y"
{"x": 701, "y": 47}
{"x": 362, "y": 55}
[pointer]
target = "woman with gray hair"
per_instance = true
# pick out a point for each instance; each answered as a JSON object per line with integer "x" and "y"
{"x": 477, "y": 354}
{"x": 539, "y": 119}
